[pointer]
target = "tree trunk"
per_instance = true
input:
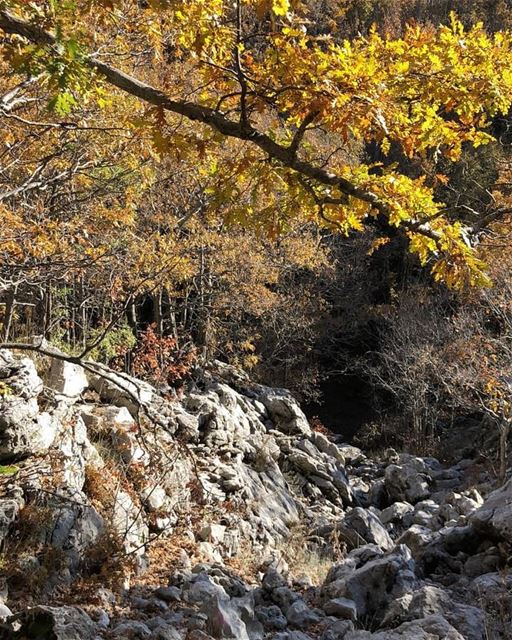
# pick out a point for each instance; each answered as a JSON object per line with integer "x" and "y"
{"x": 504, "y": 428}
{"x": 9, "y": 313}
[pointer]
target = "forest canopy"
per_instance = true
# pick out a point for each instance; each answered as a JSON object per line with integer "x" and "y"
{"x": 285, "y": 111}
{"x": 272, "y": 183}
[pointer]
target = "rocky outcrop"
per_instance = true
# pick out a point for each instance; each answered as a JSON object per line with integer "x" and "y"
{"x": 494, "y": 517}
{"x": 105, "y": 465}
{"x": 24, "y": 429}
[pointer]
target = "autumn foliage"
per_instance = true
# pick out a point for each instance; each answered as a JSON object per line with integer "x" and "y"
{"x": 158, "y": 360}
{"x": 264, "y": 177}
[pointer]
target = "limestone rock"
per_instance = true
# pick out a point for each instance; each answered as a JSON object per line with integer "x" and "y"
{"x": 494, "y": 517}
{"x": 24, "y": 430}
{"x": 58, "y": 623}
{"x": 361, "y": 526}
{"x": 67, "y": 379}
{"x": 377, "y": 583}
{"x": 429, "y": 628}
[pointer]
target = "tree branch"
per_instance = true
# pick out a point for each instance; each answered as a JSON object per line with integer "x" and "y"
{"x": 239, "y": 130}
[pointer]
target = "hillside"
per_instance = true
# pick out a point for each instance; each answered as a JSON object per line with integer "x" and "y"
{"x": 222, "y": 514}
{"x": 255, "y": 319}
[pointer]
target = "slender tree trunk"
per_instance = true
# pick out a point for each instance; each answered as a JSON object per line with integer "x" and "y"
{"x": 157, "y": 313}
{"x": 47, "y": 317}
{"x": 504, "y": 428}
{"x": 83, "y": 313}
{"x": 9, "y": 312}
{"x": 131, "y": 316}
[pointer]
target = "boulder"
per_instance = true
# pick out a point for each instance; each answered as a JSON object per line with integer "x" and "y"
{"x": 429, "y": 600}
{"x": 67, "y": 379}
{"x": 377, "y": 583}
{"x": 57, "y": 623}
{"x": 24, "y": 430}
{"x": 494, "y": 517}
{"x": 406, "y": 483}
{"x": 430, "y": 628}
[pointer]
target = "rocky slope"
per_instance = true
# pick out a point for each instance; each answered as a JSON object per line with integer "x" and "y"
{"x": 221, "y": 514}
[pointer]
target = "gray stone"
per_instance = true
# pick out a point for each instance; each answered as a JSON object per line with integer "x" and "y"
{"x": 272, "y": 617}
{"x": 494, "y": 517}
{"x": 361, "y": 526}
{"x": 396, "y": 512}
{"x": 57, "y": 623}
{"x": 429, "y": 600}
{"x": 341, "y": 608}
{"x": 299, "y": 614}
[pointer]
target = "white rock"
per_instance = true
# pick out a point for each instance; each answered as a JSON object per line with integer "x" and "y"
{"x": 395, "y": 512}
{"x": 214, "y": 533}
{"x": 154, "y": 496}
{"x": 67, "y": 379}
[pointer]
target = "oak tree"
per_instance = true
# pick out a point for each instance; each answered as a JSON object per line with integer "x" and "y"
{"x": 199, "y": 77}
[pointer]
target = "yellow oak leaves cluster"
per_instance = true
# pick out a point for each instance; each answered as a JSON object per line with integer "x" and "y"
{"x": 275, "y": 119}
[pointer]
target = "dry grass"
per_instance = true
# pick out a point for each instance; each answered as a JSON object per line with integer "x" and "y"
{"x": 304, "y": 561}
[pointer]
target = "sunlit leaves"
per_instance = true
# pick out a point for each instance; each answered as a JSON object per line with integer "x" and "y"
{"x": 426, "y": 94}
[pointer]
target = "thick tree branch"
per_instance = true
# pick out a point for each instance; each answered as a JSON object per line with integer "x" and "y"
{"x": 241, "y": 130}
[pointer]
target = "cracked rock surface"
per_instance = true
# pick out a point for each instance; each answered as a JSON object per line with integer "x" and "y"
{"x": 224, "y": 515}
